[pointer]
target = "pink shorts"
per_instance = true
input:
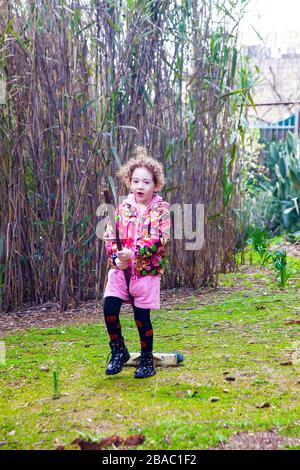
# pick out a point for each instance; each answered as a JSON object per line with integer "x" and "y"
{"x": 144, "y": 289}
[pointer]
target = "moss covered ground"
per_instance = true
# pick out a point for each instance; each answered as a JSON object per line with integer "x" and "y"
{"x": 241, "y": 373}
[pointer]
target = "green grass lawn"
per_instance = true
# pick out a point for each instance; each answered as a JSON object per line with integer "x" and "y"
{"x": 241, "y": 334}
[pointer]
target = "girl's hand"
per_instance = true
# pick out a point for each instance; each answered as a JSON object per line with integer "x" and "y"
{"x": 125, "y": 254}
{"x": 121, "y": 264}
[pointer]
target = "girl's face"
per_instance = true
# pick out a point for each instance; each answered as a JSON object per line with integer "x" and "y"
{"x": 142, "y": 185}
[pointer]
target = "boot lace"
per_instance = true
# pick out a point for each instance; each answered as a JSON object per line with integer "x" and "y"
{"x": 113, "y": 353}
{"x": 146, "y": 361}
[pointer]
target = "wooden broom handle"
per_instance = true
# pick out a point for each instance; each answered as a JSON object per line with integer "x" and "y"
{"x": 115, "y": 228}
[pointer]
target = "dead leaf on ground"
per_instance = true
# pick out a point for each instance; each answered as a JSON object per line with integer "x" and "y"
{"x": 115, "y": 440}
{"x": 263, "y": 405}
{"x": 286, "y": 363}
{"x": 134, "y": 440}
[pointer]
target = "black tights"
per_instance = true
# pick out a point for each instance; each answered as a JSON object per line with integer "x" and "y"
{"x": 111, "y": 310}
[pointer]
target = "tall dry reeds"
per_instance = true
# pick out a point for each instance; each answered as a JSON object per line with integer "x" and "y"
{"x": 85, "y": 81}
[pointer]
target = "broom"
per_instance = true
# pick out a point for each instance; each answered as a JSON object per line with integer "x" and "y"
{"x": 115, "y": 228}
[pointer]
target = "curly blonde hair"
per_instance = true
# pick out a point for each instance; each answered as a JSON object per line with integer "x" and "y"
{"x": 143, "y": 160}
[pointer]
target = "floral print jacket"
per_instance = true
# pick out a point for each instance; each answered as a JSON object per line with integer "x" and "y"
{"x": 144, "y": 232}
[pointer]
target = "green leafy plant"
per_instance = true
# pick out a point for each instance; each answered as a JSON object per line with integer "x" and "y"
{"x": 271, "y": 187}
{"x": 280, "y": 264}
{"x": 56, "y": 392}
{"x": 283, "y": 178}
{"x": 260, "y": 243}
{"x": 293, "y": 236}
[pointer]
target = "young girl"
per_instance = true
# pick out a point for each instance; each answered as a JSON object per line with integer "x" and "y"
{"x": 143, "y": 220}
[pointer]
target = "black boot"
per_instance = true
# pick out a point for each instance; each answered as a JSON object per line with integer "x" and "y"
{"x": 146, "y": 366}
{"x": 119, "y": 355}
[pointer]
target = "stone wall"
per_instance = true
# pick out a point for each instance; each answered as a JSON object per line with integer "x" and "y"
{"x": 279, "y": 63}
